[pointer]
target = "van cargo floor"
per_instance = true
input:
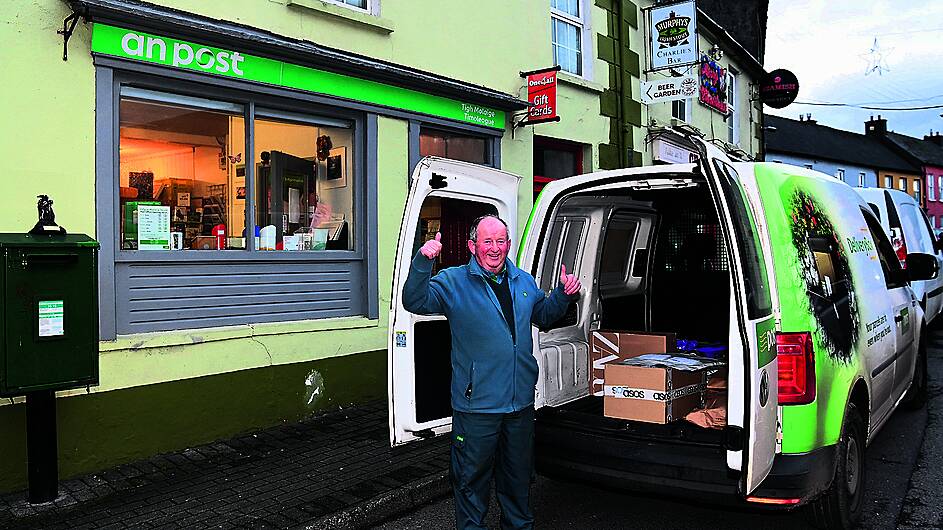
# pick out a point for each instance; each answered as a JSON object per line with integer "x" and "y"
{"x": 587, "y": 414}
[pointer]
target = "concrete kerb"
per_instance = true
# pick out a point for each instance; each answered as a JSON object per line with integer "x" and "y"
{"x": 386, "y": 505}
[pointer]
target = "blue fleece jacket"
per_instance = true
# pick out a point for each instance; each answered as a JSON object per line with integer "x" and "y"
{"x": 490, "y": 373}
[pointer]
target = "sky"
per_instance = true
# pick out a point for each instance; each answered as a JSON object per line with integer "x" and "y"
{"x": 828, "y": 43}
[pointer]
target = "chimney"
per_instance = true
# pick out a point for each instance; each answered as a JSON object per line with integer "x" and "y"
{"x": 935, "y": 138}
{"x": 808, "y": 118}
{"x": 876, "y": 127}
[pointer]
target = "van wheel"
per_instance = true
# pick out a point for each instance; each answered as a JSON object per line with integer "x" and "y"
{"x": 840, "y": 506}
{"x": 916, "y": 396}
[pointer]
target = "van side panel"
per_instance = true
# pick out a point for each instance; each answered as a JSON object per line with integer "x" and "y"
{"x": 816, "y": 229}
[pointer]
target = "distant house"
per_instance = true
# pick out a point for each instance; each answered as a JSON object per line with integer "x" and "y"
{"x": 926, "y": 153}
{"x": 857, "y": 159}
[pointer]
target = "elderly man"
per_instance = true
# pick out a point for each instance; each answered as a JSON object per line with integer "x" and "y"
{"x": 491, "y": 306}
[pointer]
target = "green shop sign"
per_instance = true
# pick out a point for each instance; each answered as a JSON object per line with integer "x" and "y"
{"x": 139, "y": 46}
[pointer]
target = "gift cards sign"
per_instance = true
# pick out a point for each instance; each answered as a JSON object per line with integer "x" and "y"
{"x": 542, "y": 96}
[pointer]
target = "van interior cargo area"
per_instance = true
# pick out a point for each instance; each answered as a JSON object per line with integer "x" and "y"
{"x": 659, "y": 262}
{"x": 650, "y": 260}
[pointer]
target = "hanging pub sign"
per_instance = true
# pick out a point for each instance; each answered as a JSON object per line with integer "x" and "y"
{"x": 713, "y": 91}
{"x": 672, "y": 36}
{"x": 779, "y": 88}
{"x": 542, "y": 95}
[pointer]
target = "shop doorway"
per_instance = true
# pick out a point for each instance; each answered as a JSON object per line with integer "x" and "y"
{"x": 555, "y": 159}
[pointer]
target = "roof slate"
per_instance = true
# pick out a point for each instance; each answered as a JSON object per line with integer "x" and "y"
{"x": 818, "y": 141}
{"x": 926, "y": 152}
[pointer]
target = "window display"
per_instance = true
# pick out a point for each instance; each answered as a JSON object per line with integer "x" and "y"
{"x": 177, "y": 167}
{"x": 183, "y": 177}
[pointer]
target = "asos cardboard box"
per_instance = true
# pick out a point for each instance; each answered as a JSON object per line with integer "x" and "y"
{"x": 613, "y": 346}
{"x": 654, "y": 395}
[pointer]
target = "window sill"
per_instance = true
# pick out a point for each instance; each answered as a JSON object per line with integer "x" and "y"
{"x": 184, "y": 256}
{"x": 378, "y": 24}
{"x": 577, "y": 81}
{"x": 161, "y": 339}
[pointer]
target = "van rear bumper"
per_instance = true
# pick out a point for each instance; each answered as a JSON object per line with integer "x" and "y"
{"x": 609, "y": 460}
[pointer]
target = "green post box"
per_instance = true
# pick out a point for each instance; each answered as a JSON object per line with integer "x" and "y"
{"x": 49, "y": 313}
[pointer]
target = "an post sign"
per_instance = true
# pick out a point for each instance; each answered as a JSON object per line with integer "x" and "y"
{"x": 673, "y": 35}
{"x": 542, "y": 96}
{"x": 669, "y": 89}
{"x": 779, "y": 88}
{"x": 713, "y": 91}
{"x": 174, "y": 53}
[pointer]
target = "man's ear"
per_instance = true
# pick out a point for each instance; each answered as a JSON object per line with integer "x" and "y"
{"x": 471, "y": 246}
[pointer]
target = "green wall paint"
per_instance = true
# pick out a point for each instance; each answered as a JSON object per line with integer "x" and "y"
{"x": 61, "y": 127}
{"x": 102, "y": 430}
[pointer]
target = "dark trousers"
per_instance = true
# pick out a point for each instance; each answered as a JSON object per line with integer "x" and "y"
{"x": 486, "y": 444}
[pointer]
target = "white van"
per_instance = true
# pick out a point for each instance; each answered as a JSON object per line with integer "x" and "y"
{"x": 787, "y": 267}
{"x": 909, "y": 230}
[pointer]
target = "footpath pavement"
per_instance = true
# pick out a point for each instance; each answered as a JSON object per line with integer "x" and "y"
{"x": 923, "y": 505}
{"x": 334, "y": 470}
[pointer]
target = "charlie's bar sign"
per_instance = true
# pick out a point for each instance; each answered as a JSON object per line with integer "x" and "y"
{"x": 145, "y": 47}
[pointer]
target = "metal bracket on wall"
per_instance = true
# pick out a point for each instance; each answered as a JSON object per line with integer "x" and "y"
{"x": 68, "y": 26}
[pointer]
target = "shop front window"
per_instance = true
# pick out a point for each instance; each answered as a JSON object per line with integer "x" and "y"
{"x": 183, "y": 186}
{"x": 302, "y": 197}
{"x": 467, "y": 148}
{"x": 177, "y": 172}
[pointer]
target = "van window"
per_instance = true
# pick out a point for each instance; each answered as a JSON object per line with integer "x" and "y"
{"x": 893, "y": 274}
{"x": 755, "y": 280}
{"x": 911, "y": 219}
{"x": 929, "y": 228}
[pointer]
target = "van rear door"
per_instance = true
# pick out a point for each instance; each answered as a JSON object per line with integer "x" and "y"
{"x": 445, "y": 196}
{"x": 753, "y": 406}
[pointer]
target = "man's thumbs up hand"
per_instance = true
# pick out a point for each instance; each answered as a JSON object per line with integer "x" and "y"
{"x": 432, "y": 247}
{"x": 571, "y": 284}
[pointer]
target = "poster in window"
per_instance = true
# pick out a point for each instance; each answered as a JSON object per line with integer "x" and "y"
{"x": 336, "y": 174}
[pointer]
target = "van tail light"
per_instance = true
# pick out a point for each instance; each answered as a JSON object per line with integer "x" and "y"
{"x": 771, "y": 500}
{"x": 796, "y": 363}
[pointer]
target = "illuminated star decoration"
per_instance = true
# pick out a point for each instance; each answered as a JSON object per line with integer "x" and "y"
{"x": 877, "y": 59}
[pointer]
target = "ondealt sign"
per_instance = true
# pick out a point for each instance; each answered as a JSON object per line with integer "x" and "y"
{"x": 779, "y": 88}
{"x": 542, "y": 96}
{"x": 669, "y": 89}
{"x": 174, "y": 53}
{"x": 713, "y": 91}
{"x": 673, "y": 35}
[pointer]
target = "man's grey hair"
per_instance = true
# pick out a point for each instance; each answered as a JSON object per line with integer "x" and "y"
{"x": 473, "y": 233}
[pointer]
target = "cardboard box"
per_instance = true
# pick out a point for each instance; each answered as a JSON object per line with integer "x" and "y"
{"x": 614, "y": 346}
{"x": 653, "y": 395}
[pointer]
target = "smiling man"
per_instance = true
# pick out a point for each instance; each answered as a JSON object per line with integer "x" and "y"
{"x": 491, "y": 306}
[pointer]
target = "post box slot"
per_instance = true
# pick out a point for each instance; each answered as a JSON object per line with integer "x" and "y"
{"x": 40, "y": 260}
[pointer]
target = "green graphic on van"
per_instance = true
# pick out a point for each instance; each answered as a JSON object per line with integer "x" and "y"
{"x": 827, "y": 276}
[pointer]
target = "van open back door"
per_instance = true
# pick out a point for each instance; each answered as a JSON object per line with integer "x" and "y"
{"x": 752, "y": 402}
{"x": 445, "y": 196}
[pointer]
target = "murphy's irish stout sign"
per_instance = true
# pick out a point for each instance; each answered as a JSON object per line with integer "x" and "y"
{"x": 673, "y": 35}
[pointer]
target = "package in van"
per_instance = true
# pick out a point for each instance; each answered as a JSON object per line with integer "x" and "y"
{"x": 714, "y": 413}
{"x": 613, "y": 346}
{"x": 654, "y": 394}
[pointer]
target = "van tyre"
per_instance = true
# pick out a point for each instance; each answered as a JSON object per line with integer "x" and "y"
{"x": 916, "y": 396}
{"x": 840, "y": 506}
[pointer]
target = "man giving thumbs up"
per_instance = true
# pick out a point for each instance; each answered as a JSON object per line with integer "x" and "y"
{"x": 491, "y": 306}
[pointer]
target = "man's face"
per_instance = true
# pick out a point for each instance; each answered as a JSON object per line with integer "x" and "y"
{"x": 492, "y": 245}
